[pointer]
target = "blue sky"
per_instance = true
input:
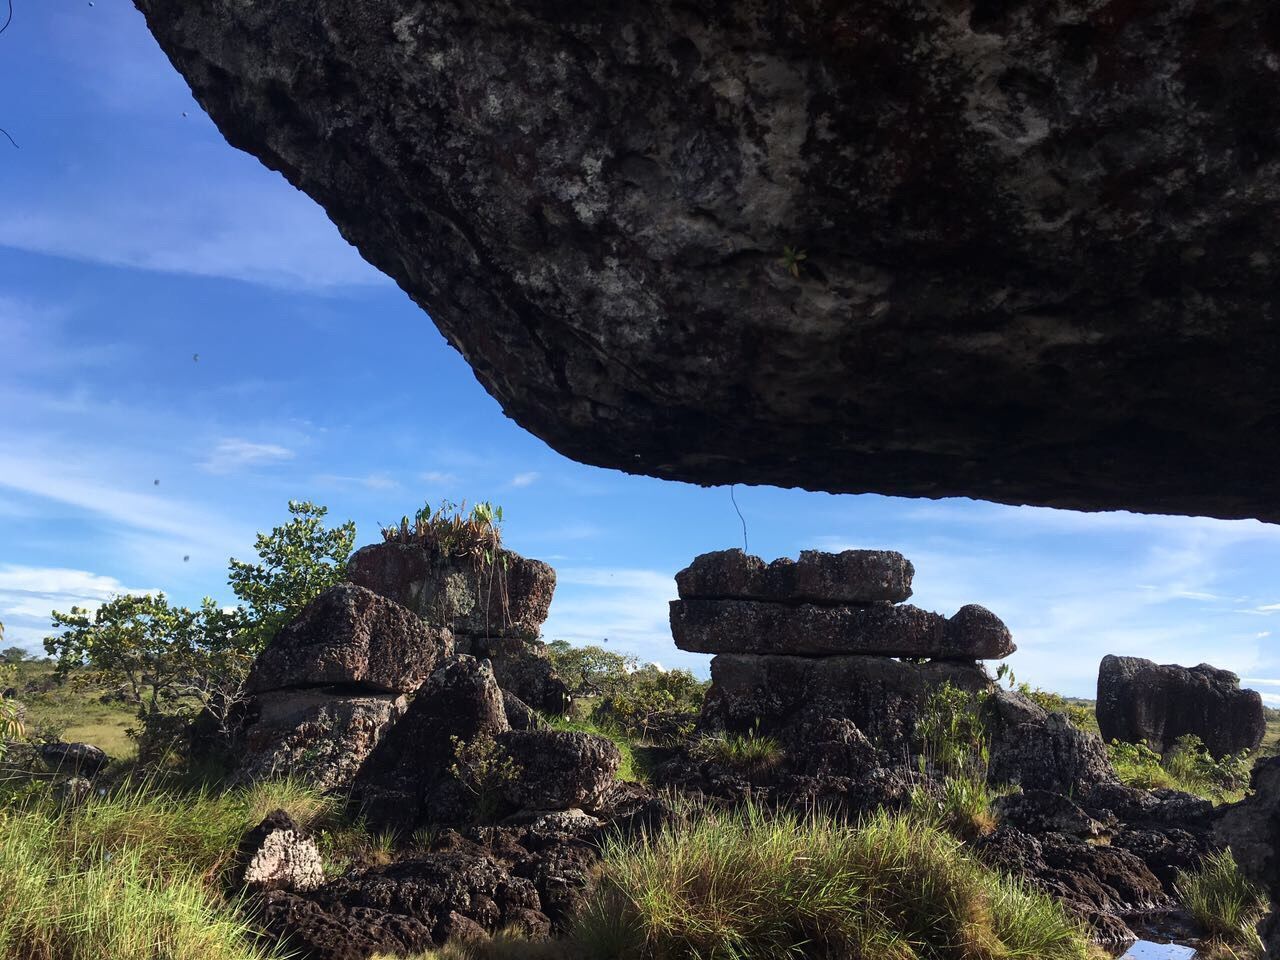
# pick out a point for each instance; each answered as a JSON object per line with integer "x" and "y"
{"x": 134, "y": 239}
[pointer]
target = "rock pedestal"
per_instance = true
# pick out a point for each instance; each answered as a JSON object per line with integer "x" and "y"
{"x": 823, "y": 633}
{"x": 330, "y": 683}
{"x": 494, "y": 612}
{"x": 1141, "y": 700}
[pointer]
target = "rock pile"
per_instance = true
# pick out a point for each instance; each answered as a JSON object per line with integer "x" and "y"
{"x": 825, "y": 630}
{"x": 331, "y": 682}
{"x": 1141, "y": 700}
{"x": 494, "y": 612}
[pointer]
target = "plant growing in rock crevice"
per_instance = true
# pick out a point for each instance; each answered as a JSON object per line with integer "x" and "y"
{"x": 452, "y": 534}
{"x": 485, "y": 770}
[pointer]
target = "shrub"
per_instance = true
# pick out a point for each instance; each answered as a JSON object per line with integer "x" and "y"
{"x": 646, "y": 700}
{"x": 1223, "y": 902}
{"x": 485, "y": 770}
{"x": 952, "y": 732}
{"x": 1188, "y": 767}
{"x": 750, "y": 883}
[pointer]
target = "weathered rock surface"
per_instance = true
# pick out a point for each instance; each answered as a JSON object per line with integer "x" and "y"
{"x": 276, "y": 855}
{"x": 1252, "y": 829}
{"x": 559, "y": 769}
{"x": 511, "y": 600}
{"x": 830, "y": 579}
{"x": 1043, "y": 751}
{"x": 752, "y": 626}
{"x": 529, "y": 675}
{"x": 1038, "y": 240}
{"x": 411, "y": 776}
{"x": 322, "y": 735}
{"x": 1141, "y": 700}
{"x": 351, "y": 636}
{"x": 880, "y": 696}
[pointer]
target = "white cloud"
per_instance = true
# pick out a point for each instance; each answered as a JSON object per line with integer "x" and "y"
{"x": 1261, "y": 681}
{"x": 439, "y": 478}
{"x": 528, "y": 478}
{"x": 370, "y": 481}
{"x": 29, "y": 594}
{"x": 234, "y": 454}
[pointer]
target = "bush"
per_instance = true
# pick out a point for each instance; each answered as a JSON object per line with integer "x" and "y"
{"x": 1223, "y": 902}
{"x": 1188, "y": 767}
{"x": 952, "y": 732}
{"x": 750, "y": 883}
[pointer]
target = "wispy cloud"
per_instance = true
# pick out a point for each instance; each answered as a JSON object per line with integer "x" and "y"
{"x": 439, "y": 478}
{"x": 234, "y": 454}
{"x": 526, "y": 479}
{"x": 370, "y": 481}
{"x": 29, "y": 594}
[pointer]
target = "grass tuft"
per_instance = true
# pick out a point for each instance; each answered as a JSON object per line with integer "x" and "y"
{"x": 747, "y": 753}
{"x": 1224, "y": 903}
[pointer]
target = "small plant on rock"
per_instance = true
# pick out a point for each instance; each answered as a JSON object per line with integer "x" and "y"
{"x": 952, "y": 733}
{"x": 485, "y": 770}
{"x": 748, "y": 753}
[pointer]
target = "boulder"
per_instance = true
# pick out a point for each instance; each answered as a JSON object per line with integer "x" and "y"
{"x": 1140, "y": 700}
{"x": 275, "y": 855}
{"x": 1039, "y": 750}
{"x": 322, "y": 735}
{"x": 411, "y": 777}
{"x": 1252, "y": 829}
{"x": 880, "y": 696}
{"x": 530, "y": 676}
{"x": 560, "y": 769}
{"x": 509, "y": 600}
{"x": 77, "y": 759}
{"x": 806, "y": 629}
{"x": 353, "y": 637}
{"x": 828, "y": 579}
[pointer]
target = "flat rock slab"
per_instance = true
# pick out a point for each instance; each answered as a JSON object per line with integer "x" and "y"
{"x": 351, "y": 636}
{"x": 1142, "y": 700}
{"x": 512, "y": 600}
{"x": 751, "y": 626}
{"x": 852, "y": 576}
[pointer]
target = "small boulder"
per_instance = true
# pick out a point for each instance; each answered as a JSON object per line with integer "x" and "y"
{"x": 1043, "y": 751}
{"x": 560, "y": 769}
{"x": 80, "y": 759}
{"x": 353, "y": 637}
{"x": 529, "y": 675}
{"x": 275, "y": 855}
{"x": 1140, "y": 700}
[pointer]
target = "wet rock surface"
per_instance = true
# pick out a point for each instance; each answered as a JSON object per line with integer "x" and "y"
{"x": 1140, "y": 700}
{"x": 1038, "y": 240}
{"x": 351, "y": 636}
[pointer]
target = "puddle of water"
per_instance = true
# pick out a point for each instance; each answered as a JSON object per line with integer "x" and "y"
{"x": 1146, "y": 950}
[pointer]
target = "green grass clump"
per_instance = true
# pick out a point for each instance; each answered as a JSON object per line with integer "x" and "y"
{"x": 752, "y": 883}
{"x": 134, "y": 874}
{"x": 749, "y": 752}
{"x": 1224, "y": 903}
{"x": 962, "y": 805}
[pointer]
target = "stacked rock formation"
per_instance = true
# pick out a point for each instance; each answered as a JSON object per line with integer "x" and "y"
{"x": 1140, "y": 700}
{"x": 824, "y": 633}
{"x": 494, "y": 612}
{"x": 331, "y": 682}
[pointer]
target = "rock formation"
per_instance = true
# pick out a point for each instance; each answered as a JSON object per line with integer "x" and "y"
{"x": 825, "y": 629}
{"x": 494, "y": 611}
{"x": 1140, "y": 700}
{"x": 330, "y": 683}
{"x": 1252, "y": 829}
{"x": 1004, "y": 250}
{"x": 276, "y": 855}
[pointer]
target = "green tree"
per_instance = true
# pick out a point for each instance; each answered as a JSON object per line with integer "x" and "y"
{"x": 590, "y": 671}
{"x": 171, "y": 659}
{"x": 298, "y": 561}
{"x": 11, "y": 654}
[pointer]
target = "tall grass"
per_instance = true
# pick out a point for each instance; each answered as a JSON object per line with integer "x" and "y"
{"x": 768, "y": 886}
{"x": 1224, "y": 903}
{"x": 135, "y": 875}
